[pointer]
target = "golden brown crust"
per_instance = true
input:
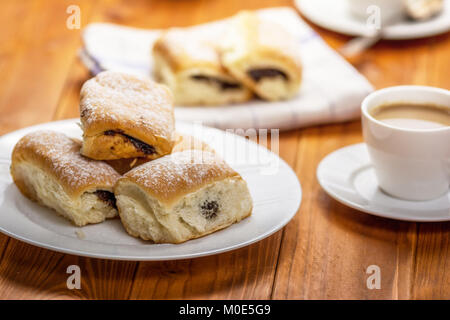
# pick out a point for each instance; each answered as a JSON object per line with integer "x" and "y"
{"x": 265, "y": 39}
{"x": 59, "y": 156}
{"x": 113, "y": 146}
{"x": 256, "y": 43}
{"x": 129, "y": 105}
{"x": 171, "y": 177}
{"x": 182, "y": 142}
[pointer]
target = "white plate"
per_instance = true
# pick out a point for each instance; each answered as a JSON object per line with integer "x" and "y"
{"x": 334, "y": 15}
{"x": 347, "y": 176}
{"x": 273, "y": 185}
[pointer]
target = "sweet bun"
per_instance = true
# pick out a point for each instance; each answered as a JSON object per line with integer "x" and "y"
{"x": 48, "y": 168}
{"x": 263, "y": 56}
{"x": 189, "y": 64}
{"x": 124, "y": 116}
{"x": 183, "y": 196}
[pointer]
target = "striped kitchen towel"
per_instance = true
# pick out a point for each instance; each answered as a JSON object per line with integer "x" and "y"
{"x": 331, "y": 91}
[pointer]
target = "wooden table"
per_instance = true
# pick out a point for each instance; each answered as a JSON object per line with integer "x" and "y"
{"x": 323, "y": 253}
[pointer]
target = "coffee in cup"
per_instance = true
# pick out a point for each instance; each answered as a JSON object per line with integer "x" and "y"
{"x": 408, "y": 115}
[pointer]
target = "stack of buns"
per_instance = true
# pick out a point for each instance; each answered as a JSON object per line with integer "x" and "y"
{"x": 253, "y": 56}
{"x": 164, "y": 186}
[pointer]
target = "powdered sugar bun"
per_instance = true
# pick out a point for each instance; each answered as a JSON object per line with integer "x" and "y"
{"x": 47, "y": 167}
{"x": 125, "y": 116}
{"x": 182, "y": 196}
{"x": 188, "y": 62}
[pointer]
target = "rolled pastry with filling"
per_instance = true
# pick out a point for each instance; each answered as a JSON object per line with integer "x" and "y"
{"x": 182, "y": 142}
{"x": 183, "y": 196}
{"x": 188, "y": 62}
{"x": 48, "y": 168}
{"x": 262, "y": 55}
{"x": 125, "y": 116}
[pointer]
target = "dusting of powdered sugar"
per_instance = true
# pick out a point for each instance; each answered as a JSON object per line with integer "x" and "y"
{"x": 180, "y": 171}
{"x": 118, "y": 97}
{"x": 196, "y": 45}
{"x": 61, "y": 155}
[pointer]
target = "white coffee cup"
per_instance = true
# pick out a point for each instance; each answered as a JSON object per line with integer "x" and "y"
{"x": 389, "y": 9}
{"x": 411, "y": 164}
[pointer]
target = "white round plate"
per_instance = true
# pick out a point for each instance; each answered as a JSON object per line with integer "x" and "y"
{"x": 347, "y": 176}
{"x": 334, "y": 15}
{"x": 274, "y": 187}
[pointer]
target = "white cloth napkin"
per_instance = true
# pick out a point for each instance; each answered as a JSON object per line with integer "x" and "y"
{"x": 331, "y": 91}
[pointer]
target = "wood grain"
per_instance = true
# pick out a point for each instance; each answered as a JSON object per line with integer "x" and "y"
{"x": 322, "y": 253}
{"x": 337, "y": 244}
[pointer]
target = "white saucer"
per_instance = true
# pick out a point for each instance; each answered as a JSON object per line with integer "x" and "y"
{"x": 274, "y": 187}
{"x": 334, "y": 15}
{"x": 347, "y": 176}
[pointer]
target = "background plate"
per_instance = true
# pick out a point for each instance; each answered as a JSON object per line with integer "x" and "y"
{"x": 273, "y": 185}
{"x": 334, "y": 15}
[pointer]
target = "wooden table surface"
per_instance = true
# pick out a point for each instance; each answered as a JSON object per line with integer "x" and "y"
{"x": 323, "y": 253}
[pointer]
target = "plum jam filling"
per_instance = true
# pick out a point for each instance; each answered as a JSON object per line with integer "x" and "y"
{"x": 138, "y": 144}
{"x": 258, "y": 74}
{"x": 224, "y": 85}
{"x": 209, "y": 209}
{"x": 107, "y": 197}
